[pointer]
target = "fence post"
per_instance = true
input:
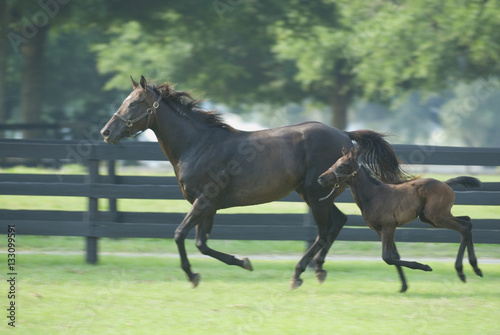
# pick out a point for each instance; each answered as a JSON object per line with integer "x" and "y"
{"x": 93, "y": 166}
{"x": 113, "y": 202}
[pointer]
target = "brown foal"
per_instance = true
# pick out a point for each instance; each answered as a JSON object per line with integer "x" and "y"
{"x": 387, "y": 206}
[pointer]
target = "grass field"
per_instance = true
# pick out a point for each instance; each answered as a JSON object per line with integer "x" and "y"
{"x": 59, "y": 294}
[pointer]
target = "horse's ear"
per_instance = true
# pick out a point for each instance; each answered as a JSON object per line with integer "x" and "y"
{"x": 344, "y": 151}
{"x": 144, "y": 83}
{"x": 134, "y": 83}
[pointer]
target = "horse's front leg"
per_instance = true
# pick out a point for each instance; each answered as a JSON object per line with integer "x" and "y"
{"x": 337, "y": 221}
{"x": 330, "y": 221}
{"x": 391, "y": 256}
{"x": 296, "y": 281}
{"x": 199, "y": 212}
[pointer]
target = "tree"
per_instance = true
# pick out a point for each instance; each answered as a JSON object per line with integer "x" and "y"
{"x": 471, "y": 116}
{"x": 4, "y": 24}
{"x": 320, "y": 38}
{"x": 430, "y": 45}
{"x": 222, "y": 49}
{"x": 31, "y": 25}
{"x": 438, "y": 47}
{"x": 312, "y": 39}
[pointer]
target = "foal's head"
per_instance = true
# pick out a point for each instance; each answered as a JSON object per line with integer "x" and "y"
{"x": 135, "y": 113}
{"x": 344, "y": 168}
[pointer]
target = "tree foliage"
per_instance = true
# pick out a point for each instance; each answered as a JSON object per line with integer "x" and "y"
{"x": 428, "y": 45}
{"x": 331, "y": 52}
{"x": 221, "y": 49}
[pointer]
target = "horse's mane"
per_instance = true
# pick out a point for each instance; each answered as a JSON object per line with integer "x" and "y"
{"x": 371, "y": 176}
{"x": 191, "y": 106}
{"x": 379, "y": 157}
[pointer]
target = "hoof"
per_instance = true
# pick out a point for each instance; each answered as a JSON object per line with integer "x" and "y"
{"x": 246, "y": 264}
{"x": 195, "y": 279}
{"x": 321, "y": 276}
{"x": 403, "y": 288}
{"x": 462, "y": 277}
{"x": 295, "y": 283}
{"x": 478, "y": 272}
{"x": 427, "y": 268}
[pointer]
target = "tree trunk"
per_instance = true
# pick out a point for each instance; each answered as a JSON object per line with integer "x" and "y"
{"x": 4, "y": 23}
{"x": 340, "y": 103}
{"x": 32, "y": 81}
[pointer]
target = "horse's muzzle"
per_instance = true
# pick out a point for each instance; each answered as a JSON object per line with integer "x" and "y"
{"x": 108, "y": 136}
{"x": 113, "y": 131}
{"x": 328, "y": 178}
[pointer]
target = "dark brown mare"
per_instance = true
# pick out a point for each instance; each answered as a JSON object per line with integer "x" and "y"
{"x": 218, "y": 166}
{"x": 385, "y": 207}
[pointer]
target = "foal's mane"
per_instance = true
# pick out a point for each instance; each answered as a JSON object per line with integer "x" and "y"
{"x": 379, "y": 157}
{"x": 371, "y": 177}
{"x": 191, "y": 106}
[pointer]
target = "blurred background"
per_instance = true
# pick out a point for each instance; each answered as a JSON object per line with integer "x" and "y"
{"x": 425, "y": 71}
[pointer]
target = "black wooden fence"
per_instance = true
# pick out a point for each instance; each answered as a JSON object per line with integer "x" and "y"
{"x": 94, "y": 223}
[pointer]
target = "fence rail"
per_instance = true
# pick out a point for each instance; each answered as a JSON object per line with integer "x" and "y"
{"x": 94, "y": 223}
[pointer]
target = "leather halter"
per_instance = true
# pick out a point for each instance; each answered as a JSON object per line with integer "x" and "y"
{"x": 343, "y": 175}
{"x": 337, "y": 183}
{"x": 147, "y": 113}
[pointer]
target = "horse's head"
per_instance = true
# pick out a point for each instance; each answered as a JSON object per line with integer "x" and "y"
{"x": 135, "y": 113}
{"x": 343, "y": 169}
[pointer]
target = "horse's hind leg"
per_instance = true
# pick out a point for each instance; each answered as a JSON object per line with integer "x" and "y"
{"x": 202, "y": 232}
{"x": 465, "y": 229}
{"x": 470, "y": 247}
{"x": 463, "y": 225}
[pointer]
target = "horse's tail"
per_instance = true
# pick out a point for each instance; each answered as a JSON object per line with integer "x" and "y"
{"x": 465, "y": 181}
{"x": 379, "y": 156}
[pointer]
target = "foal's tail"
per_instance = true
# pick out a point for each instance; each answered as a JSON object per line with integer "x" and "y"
{"x": 468, "y": 182}
{"x": 379, "y": 156}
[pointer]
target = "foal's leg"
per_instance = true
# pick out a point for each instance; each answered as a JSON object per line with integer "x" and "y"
{"x": 202, "y": 232}
{"x": 390, "y": 253}
{"x": 470, "y": 247}
{"x": 464, "y": 227}
{"x": 391, "y": 256}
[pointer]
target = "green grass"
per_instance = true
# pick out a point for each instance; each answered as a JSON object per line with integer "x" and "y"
{"x": 293, "y": 249}
{"x": 138, "y": 295}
